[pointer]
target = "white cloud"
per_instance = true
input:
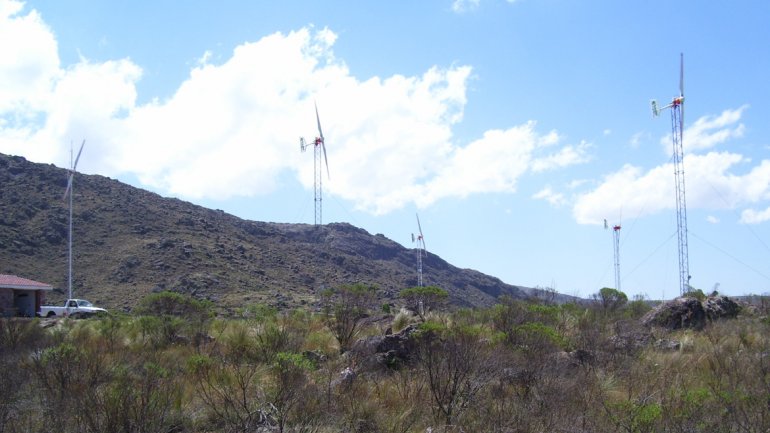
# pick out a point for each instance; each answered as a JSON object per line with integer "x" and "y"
{"x": 710, "y": 184}
{"x": 566, "y": 156}
{"x": 751, "y": 216}
{"x": 713, "y": 180}
{"x": 547, "y": 194}
{"x": 44, "y": 106}
{"x": 712, "y": 219}
{"x": 461, "y": 6}
{"x": 709, "y": 131}
{"x": 28, "y": 60}
{"x": 232, "y": 129}
{"x": 636, "y": 139}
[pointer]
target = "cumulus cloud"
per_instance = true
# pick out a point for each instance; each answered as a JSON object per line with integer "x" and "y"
{"x": 43, "y": 105}
{"x": 709, "y": 131}
{"x": 30, "y": 60}
{"x": 232, "y": 129}
{"x": 549, "y": 195}
{"x": 752, "y": 216}
{"x": 711, "y": 185}
{"x": 637, "y": 139}
{"x": 715, "y": 180}
{"x": 460, "y": 6}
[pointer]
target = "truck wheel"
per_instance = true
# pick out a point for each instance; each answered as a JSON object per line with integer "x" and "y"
{"x": 50, "y": 314}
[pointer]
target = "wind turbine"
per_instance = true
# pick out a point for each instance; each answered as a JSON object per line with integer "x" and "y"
{"x": 68, "y": 192}
{"x": 420, "y": 239}
{"x": 677, "y": 126}
{"x": 318, "y": 147}
{"x": 616, "y": 243}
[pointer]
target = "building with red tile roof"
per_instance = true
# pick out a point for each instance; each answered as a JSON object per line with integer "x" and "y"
{"x": 21, "y": 296}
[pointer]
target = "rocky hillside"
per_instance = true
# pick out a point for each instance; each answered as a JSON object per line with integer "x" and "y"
{"x": 130, "y": 242}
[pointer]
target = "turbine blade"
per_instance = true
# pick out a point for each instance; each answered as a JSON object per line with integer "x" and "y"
{"x": 422, "y": 237}
{"x": 69, "y": 187}
{"x": 75, "y": 165}
{"x": 323, "y": 146}
{"x": 318, "y": 119}
{"x": 681, "y": 93}
{"x": 681, "y": 74}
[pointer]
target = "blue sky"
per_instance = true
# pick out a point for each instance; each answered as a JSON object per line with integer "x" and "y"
{"x": 514, "y": 128}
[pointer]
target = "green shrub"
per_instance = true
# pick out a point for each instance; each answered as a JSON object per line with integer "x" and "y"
{"x": 181, "y": 316}
{"x": 536, "y": 335}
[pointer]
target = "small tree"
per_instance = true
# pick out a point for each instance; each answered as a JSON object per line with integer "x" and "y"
{"x": 177, "y": 313}
{"x": 457, "y": 363}
{"x": 423, "y": 299}
{"x": 610, "y": 299}
{"x": 344, "y": 308}
{"x": 288, "y": 386}
{"x": 638, "y": 307}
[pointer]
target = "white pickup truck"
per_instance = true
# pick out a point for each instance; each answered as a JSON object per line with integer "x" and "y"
{"x": 79, "y": 307}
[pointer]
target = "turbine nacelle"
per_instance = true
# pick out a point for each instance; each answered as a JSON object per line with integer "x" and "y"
{"x": 656, "y": 110}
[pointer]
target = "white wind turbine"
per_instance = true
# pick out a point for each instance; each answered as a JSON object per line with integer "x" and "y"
{"x": 318, "y": 147}
{"x": 68, "y": 192}
{"x": 420, "y": 239}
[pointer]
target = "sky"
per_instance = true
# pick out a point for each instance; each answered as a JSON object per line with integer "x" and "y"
{"x": 514, "y": 128}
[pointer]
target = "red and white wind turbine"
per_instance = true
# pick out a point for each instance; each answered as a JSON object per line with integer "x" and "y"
{"x": 318, "y": 147}
{"x": 677, "y": 127}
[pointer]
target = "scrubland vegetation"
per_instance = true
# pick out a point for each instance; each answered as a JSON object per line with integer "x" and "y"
{"x": 520, "y": 366}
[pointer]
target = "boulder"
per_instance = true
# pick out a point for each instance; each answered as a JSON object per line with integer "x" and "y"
{"x": 665, "y": 345}
{"x": 391, "y": 350}
{"x": 679, "y": 313}
{"x": 721, "y": 307}
{"x": 345, "y": 378}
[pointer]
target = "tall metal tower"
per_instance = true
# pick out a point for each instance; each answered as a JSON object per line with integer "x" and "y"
{"x": 68, "y": 192}
{"x": 677, "y": 127}
{"x": 616, "y": 245}
{"x": 420, "y": 239}
{"x": 616, "y": 237}
{"x": 318, "y": 147}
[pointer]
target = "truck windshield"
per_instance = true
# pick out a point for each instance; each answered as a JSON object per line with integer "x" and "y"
{"x": 84, "y": 303}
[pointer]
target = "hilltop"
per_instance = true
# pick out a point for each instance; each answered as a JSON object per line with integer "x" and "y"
{"x": 130, "y": 242}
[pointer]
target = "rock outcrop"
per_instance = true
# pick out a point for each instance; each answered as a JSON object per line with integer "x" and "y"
{"x": 387, "y": 351}
{"x": 721, "y": 307}
{"x": 684, "y": 312}
{"x": 690, "y": 313}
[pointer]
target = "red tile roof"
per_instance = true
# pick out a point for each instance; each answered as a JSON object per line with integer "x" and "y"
{"x": 14, "y": 282}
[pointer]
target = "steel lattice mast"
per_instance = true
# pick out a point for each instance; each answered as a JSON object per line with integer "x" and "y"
{"x": 677, "y": 128}
{"x": 616, "y": 249}
{"x": 318, "y": 147}
{"x": 420, "y": 239}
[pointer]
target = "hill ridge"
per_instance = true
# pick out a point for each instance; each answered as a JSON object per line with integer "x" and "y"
{"x": 130, "y": 242}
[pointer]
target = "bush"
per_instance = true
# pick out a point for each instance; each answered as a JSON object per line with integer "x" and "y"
{"x": 421, "y": 300}
{"x": 344, "y": 308}
{"x": 179, "y": 315}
